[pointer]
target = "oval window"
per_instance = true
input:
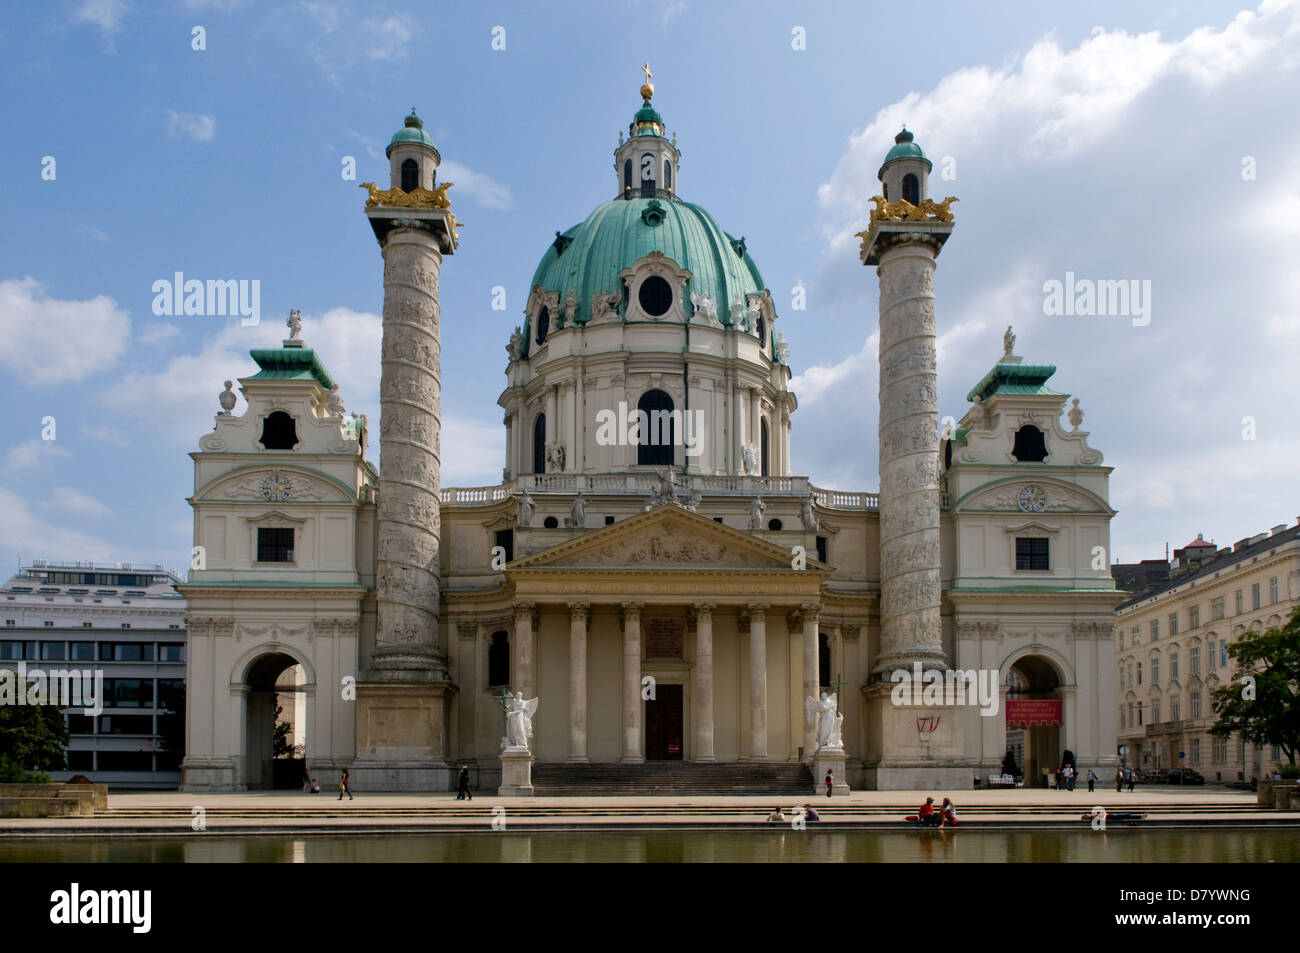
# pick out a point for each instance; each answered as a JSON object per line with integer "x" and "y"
{"x": 655, "y": 296}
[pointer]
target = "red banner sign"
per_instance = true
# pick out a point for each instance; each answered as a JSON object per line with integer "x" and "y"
{"x": 1026, "y": 712}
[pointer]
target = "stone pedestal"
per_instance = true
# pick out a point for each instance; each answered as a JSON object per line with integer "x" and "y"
{"x": 402, "y": 737}
{"x": 516, "y": 773}
{"x": 901, "y": 757}
{"x": 834, "y": 760}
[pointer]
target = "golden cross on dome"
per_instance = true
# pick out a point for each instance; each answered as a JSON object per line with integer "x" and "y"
{"x": 645, "y": 68}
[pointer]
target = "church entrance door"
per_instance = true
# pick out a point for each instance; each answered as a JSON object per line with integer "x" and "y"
{"x": 663, "y": 724}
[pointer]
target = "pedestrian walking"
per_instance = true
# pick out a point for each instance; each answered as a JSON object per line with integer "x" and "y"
{"x": 462, "y": 785}
{"x": 1092, "y": 781}
{"x": 830, "y": 781}
{"x": 1119, "y": 780}
{"x": 1132, "y": 779}
{"x": 345, "y": 786}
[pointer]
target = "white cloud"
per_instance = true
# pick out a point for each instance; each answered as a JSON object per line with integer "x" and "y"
{"x": 29, "y": 535}
{"x": 91, "y": 232}
{"x": 198, "y": 127}
{"x": 478, "y": 187}
{"x": 105, "y": 15}
{"x": 73, "y": 502}
{"x": 158, "y": 332}
{"x": 33, "y": 454}
{"x": 103, "y": 433}
{"x": 1106, "y": 159}
{"x": 386, "y": 39}
{"x": 479, "y": 452}
{"x": 328, "y": 16}
{"x": 50, "y": 341}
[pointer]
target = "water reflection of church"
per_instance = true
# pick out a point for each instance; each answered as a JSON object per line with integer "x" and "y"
{"x": 732, "y": 585}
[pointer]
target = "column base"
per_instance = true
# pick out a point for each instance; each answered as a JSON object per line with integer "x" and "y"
{"x": 634, "y": 760}
{"x": 402, "y": 736}
{"x": 516, "y": 773}
{"x": 917, "y": 747}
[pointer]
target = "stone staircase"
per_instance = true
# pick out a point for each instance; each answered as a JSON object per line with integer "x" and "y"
{"x": 671, "y": 777}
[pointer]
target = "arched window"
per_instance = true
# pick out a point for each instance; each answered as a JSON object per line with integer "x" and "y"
{"x": 912, "y": 188}
{"x": 539, "y": 444}
{"x": 657, "y": 430}
{"x": 627, "y": 173}
{"x": 1029, "y": 446}
{"x": 668, "y": 174}
{"x": 762, "y": 424}
{"x": 410, "y": 175}
{"x": 499, "y": 660}
{"x": 823, "y": 660}
{"x": 762, "y": 333}
{"x": 648, "y": 175}
{"x": 279, "y": 432}
{"x": 543, "y": 324}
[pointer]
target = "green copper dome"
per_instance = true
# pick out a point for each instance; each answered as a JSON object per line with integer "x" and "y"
{"x": 588, "y": 258}
{"x": 412, "y": 131}
{"x": 646, "y": 122}
{"x": 904, "y": 148}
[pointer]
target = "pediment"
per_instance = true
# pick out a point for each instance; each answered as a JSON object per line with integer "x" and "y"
{"x": 251, "y": 484}
{"x": 671, "y": 538}
{"x": 1057, "y": 496}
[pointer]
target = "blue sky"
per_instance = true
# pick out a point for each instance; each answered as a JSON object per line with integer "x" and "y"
{"x": 1109, "y": 142}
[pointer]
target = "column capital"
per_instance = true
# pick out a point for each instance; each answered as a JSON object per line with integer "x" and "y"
{"x": 579, "y": 610}
{"x": 704, "y": 609}
{"x": 632, "y": 610}
{"x": 758, "y": 610}
{"x": 525, "y": 610}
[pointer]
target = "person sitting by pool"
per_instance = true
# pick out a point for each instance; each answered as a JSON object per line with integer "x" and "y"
{"x": 948, "y": 813}
{"x": 926, "y": 815}
{"x": 776, "y": 817}
{"x": 810, "y": 814}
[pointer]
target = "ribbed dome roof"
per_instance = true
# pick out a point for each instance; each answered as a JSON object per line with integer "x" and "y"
{"x": 904, "y": 148}
{"x": 617, "y": 234}
{"x": 411, "y": 131}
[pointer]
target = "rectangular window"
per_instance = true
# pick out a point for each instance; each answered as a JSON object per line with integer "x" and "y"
{"x": 125, "y": 761}
{"x": 168, "y": 652}
{"x": 1220, "y": 750}
{"x": 132, "y": 652}
{"x": 1194, "y": 655}
{"x": 87, "y": 625}
{"x": 11, "y": 651}
{"x": 1173, "y": 666}
{"x": 128, "y": 692}
{"x": 1139, "y": 673}
{"x": 1196, "y": 751}
{"x": 1277, "y": 752}
{"x": 1120, "y": 632}
{"x": 1241, "y": 602}
{"x": 1155, "y": 712}
{"x": 1155, "y": 629}
{"x": 505, "y": 538}
{"x": 1155, "y": 671}
{"x": 1217, "y": 606}
{"x": 83, "y": 651}
{"x": 1193, "y": 616}
{"x": 1210, "y": 658}
{"x": 1173, "y": 623}
{"x": 81, "y": 725}
{"x": 1175, "y": 708}
{"x": 1194, "y": 705}
{"x": 1254, "y": 596}
{"x": 1031, "y": 555}
{"x": 53, "y": 651}
{"x": 1272, "y": 590}
{"x": 821, "y": 549}
{"x": 1223, "y": 653}
{"x": 275, "y": 545}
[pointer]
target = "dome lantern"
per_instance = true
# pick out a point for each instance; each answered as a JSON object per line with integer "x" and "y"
{"x": 905, "y": 173}
{"x": 413, "y": 159}
{"x": 646, "y": 163}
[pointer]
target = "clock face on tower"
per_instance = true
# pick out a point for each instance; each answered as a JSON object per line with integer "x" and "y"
{"x": 1033, "y": 499}
{"x": 276, "y": 488}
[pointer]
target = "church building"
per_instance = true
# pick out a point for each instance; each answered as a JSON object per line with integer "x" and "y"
{"x": 652, "y": 568}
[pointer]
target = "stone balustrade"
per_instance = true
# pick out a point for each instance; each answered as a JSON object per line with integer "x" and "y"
{"x": 642, "y": 484}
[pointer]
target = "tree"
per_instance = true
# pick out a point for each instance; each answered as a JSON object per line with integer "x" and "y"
{"x": 280, "y": 747}
{"x": 1262, "y": 702}
{"x": 31, "y": 736}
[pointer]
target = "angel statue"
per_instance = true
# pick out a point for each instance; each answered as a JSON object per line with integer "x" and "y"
{"x": 519, "y": 720}
{"x": 1008, "y": 342}
{"x": 829, "y": 720}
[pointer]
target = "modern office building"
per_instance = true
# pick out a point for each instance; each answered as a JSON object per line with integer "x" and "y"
{"x": 122, "y": 620}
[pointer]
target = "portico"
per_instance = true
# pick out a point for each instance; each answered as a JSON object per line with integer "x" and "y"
{"x": 620, "y": 634}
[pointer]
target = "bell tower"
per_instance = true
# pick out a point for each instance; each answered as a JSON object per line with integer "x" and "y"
{"x": 403, "y": 693}
{"x": 646, "y": 163}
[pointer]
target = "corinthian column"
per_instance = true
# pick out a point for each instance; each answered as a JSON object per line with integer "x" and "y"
{"x": 521, "y": 675}
{"x": 704, "y": 681}
{"x": 632, "y": 683}
{"x": 407, "y": 562}
{"x": 909, "y": 444}
{"x": 578, "y": 682}
{"x": 811, "y": 681}
{"x": 758, "y": 683}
